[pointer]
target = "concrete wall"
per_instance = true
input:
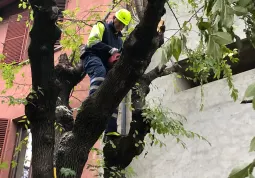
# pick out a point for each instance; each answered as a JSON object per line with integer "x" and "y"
{"x": 227, "y": 125}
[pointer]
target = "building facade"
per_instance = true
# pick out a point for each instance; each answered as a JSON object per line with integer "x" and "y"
{"x": 14, "y": 41}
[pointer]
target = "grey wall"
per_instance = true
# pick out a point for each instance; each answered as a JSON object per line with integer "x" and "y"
{"x": 228, "y": 125}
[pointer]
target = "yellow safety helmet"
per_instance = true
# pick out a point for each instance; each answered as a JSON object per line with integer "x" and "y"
{"x": 124, "y": 16}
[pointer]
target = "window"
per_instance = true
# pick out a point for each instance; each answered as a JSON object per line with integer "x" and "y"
{"x": 4, "y": 123}
{"x": 61, "y": 5}
{"x": 22, "y": 157}
{"x": 16, "y": 38}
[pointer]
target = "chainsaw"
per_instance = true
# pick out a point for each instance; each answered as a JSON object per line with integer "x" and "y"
{"x": 113, "y": 59}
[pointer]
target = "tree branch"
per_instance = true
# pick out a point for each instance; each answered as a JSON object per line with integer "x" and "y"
{"x": 113, "y": 6}
{"x": 127, "y": 147}
{"x": 174, "y": 15}
{"x": 187, "y": 21}
{"x": 97, "y": 108}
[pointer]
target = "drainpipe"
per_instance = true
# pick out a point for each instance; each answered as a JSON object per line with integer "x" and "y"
{"x": 123, "y": 116}
{"x": 124, "y": 107}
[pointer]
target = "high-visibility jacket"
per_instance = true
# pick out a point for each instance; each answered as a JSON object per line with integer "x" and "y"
{"x": 103, "y": 37}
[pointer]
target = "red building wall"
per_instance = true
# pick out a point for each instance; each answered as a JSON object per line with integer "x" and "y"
{"x": 22, "y": 83}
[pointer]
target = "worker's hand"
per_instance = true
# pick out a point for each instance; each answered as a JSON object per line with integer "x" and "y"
{"x": 113, "y": 51}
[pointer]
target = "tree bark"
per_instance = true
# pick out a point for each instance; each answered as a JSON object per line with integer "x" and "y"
{"x": 97, "y": 108}
{"x": 40, "y": 109}
{"x": 118, "y": 157}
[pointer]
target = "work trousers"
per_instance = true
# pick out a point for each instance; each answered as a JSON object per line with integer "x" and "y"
{"x": 94, "y": 67}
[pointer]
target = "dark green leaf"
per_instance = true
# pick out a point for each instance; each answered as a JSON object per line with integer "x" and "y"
{"x": 176, "y": 47}
{"x": 203, "y": 25}
{"x": 213, "y": 49}
{"x": 241, "y": 171}
{"x": 244, "y": 3}
{"x": 222, "y": 38}
{"x": 232, "y": 1}
{"x": 253, "y": 103}
{"x": 239, "y": 10}
{"x": 217, "y": 6}
{"x": 228, "y": 20}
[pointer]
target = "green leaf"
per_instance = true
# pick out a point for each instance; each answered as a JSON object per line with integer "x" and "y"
{"x": 222, "y": 38}
{"x": 241, "y": 171}
{"x": 14, "y": 164}
{"x": 239, "y": 10}
{"x": 217, "y": 6}
{"x": 1, "y": 19}
{"x": 232, "y": 1}
{"x": 3, "y": 165}
{"x": 213, "y": 49}
{"x": 204, "y": 25}
{"x": 228, "y": 19}
{"x": 19, "y": 17}
{"x": 252, "y": 145}
{"x": 113, "y": 145}
{"x": 209, "y": 7}
{"x": 244, "y": 3}
{"x": 22, "y": 121}
{"x": 24, "y": 5}
{"x": 67, "y": 172}
{"x": 253, "y": 103}
{"x": 176, "y": 46}
{"x": 250, "y": 91}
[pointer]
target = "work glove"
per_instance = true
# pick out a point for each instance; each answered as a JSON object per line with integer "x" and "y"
{"x": 113, "y": 51}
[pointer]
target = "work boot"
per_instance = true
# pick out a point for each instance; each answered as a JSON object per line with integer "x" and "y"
{"x": 110, "y": 136}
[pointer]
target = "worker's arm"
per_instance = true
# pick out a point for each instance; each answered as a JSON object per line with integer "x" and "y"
{"x": 96, "y": 36}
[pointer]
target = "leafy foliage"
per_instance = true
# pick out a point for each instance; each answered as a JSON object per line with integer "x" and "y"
{"x": 207, "y": 59}
{"x": 3, "y": 165}
{"x": 250, "y": 93}
{"x": 242, "y": 171}
{"x": 166, "y": 122}
{"x": 67, "y": 172}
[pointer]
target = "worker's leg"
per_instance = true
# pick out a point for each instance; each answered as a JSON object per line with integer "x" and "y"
{"x": 112, "y": 124}
{"x": 95, "y": 69}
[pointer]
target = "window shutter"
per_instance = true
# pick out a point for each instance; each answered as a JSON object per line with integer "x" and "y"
{"x": 3, "y": 132}
{"x": 61, "y": 5}
{"x": 16, "y": 38}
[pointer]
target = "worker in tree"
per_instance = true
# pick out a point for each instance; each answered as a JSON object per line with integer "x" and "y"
{"x": 104, "y": 41}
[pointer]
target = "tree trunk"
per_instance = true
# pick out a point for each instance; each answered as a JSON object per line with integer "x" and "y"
{"x": 97, "y": 108}
{"x": 119, "y": 153}
{"x": 40, "y": 109}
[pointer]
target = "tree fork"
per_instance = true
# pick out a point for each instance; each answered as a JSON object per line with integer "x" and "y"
{"x": 97, "y": 108}
{"x": 132, "y": 145}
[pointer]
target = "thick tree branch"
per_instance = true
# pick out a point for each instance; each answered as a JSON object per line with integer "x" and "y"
{"x": 40, "y": 109}
{"x": 140, "y": 6}
{"x": 129, "y": 146}
{"x": 97, "y": 108}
